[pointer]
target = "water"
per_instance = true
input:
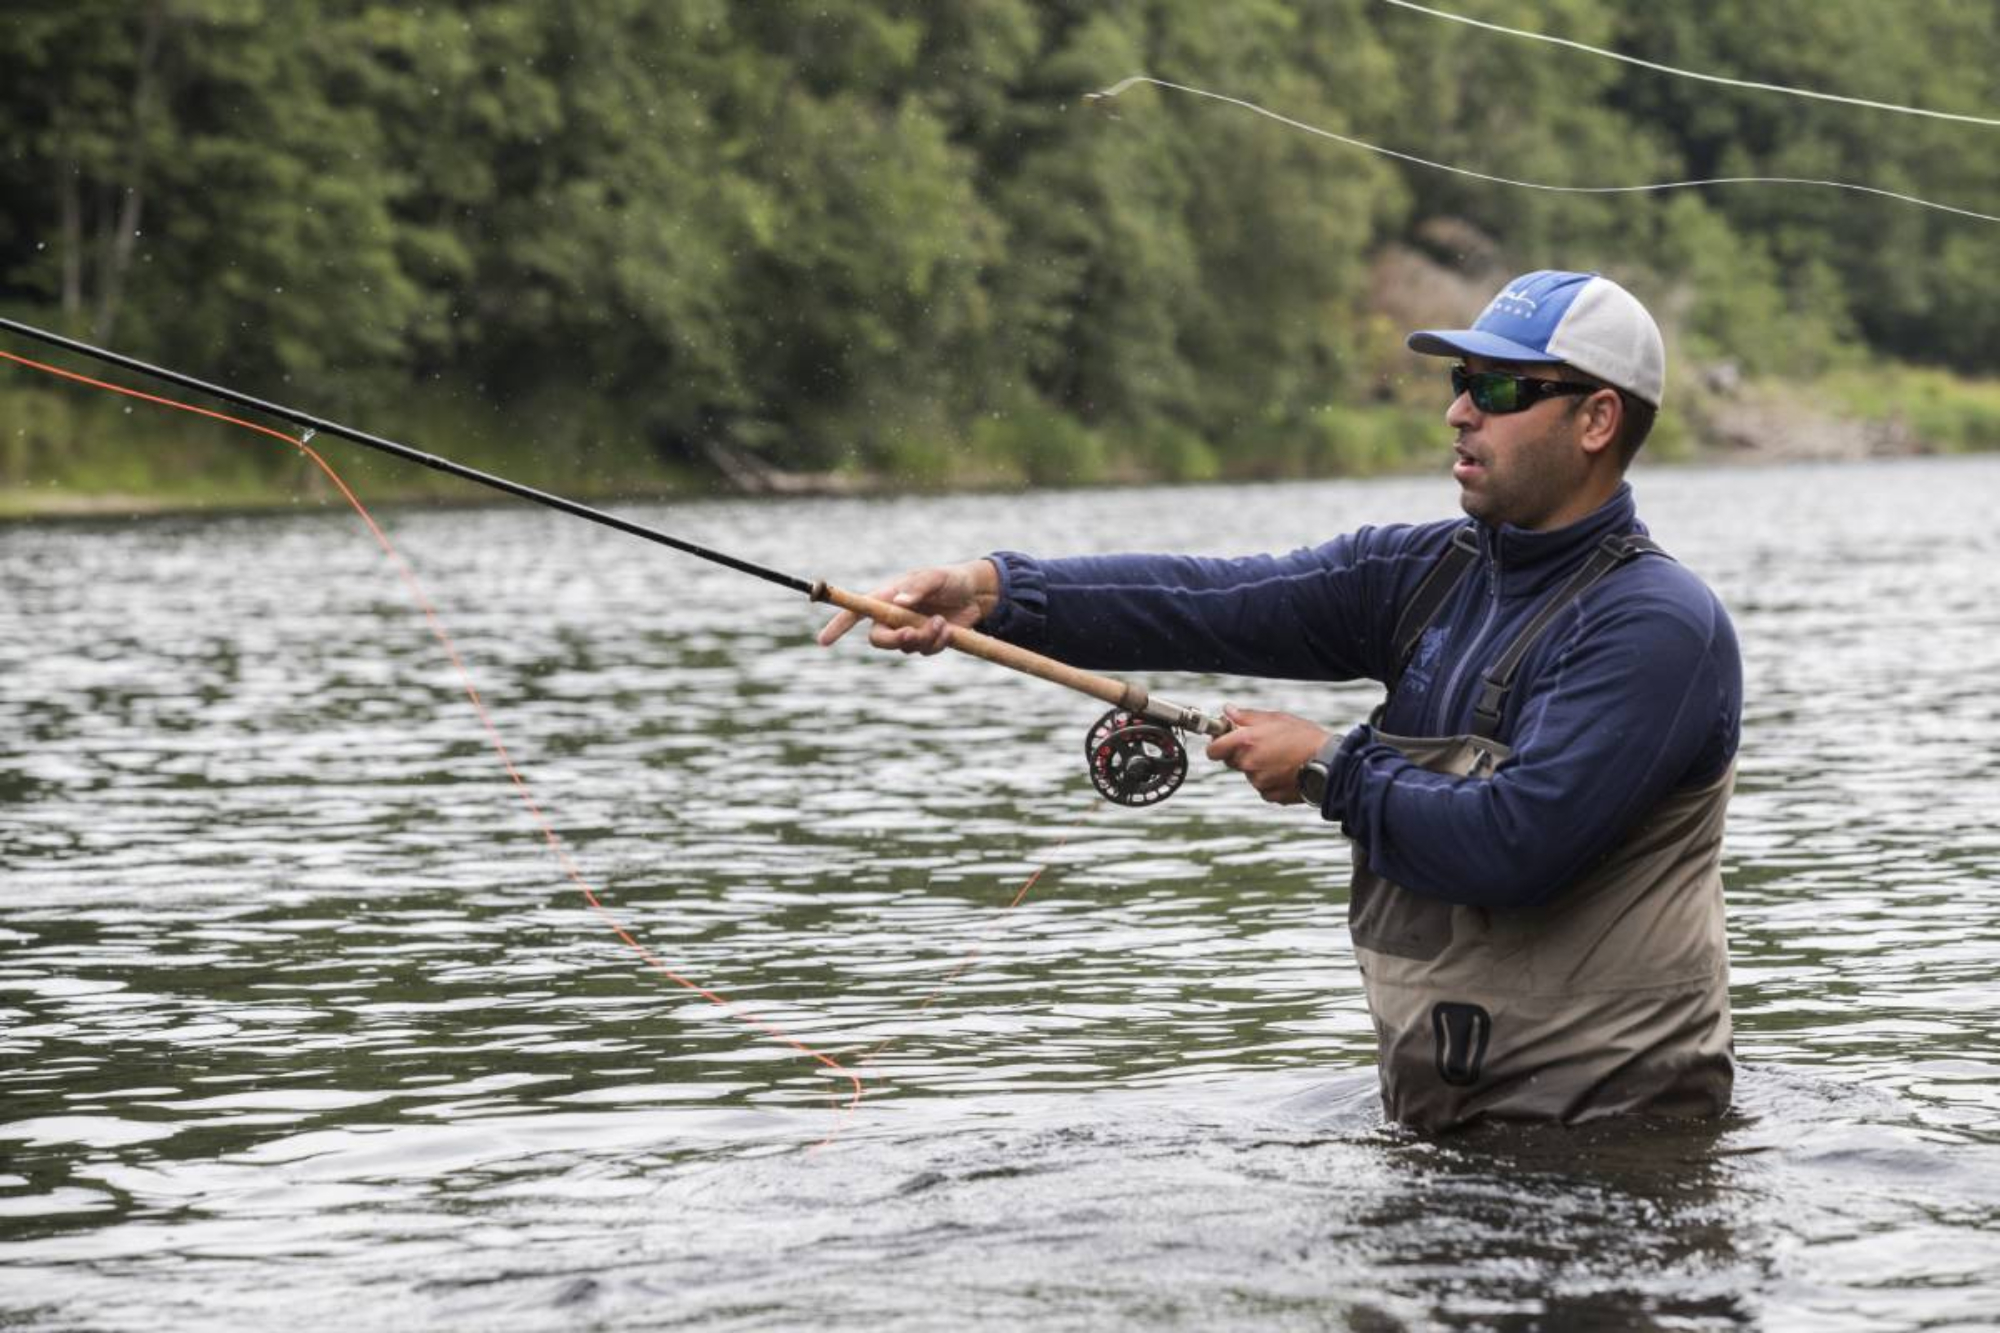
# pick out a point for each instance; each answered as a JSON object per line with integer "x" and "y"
{"x": 300, "y": 1021}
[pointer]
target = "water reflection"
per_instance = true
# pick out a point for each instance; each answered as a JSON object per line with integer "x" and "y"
{"x": 1622, "y": 1226}
{"x": 297, "y": 1013}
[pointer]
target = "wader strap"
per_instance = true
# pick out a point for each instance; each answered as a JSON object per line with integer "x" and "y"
{"x": 1499, "y": 679}
{"x": 1440, "y": 583}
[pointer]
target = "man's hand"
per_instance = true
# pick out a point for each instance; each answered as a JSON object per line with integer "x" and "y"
{"x": 1268, "y": 749}
{"x": 948, "y": 594}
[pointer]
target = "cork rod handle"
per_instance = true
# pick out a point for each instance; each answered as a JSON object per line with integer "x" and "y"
{"x": 1121, "y": 693}
{"x": 1108, "y": 688}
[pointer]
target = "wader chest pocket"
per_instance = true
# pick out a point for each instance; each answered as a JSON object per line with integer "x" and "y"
{"x": 1461, "y": 1031}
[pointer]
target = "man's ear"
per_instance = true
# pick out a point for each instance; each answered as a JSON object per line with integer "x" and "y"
{"x": 1603, "y": 415}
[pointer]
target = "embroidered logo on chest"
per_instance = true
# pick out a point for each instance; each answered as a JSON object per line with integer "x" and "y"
{"x": 1423, "y": 662}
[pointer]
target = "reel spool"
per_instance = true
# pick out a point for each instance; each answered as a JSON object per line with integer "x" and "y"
{"x": 1133, "y": 760}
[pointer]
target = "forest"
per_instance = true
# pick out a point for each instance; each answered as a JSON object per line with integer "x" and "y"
{"x": 630, "y": 246}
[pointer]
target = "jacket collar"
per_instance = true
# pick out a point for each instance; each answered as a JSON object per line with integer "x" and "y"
{"x": 1525, "y": 562}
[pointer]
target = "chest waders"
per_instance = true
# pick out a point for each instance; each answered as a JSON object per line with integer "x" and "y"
{"x": 1611, "y": 997}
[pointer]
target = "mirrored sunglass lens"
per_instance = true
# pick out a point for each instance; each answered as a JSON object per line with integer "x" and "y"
{"x": 1491, "y": 390}
{"x": 1494, "y": 392}
{"x": 1465, "y": 381}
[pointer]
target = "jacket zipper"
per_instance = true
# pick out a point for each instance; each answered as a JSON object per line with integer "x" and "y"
{"x": 1465, "y": 659}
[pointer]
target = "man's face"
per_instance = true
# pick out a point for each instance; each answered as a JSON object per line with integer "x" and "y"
{"x": 1526, "y": 468}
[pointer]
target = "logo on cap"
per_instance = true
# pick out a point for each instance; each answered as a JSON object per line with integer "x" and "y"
{"x": 1511, "y": 302}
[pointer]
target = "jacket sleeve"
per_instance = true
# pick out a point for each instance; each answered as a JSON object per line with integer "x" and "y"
{"x": 1642, "y": 698}
{"x": 1317, "y": 613}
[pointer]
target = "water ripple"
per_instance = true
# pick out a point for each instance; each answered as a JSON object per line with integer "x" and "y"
{"x": 296, "y": 1010}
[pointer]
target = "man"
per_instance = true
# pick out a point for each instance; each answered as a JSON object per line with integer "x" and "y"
{"x": 1536, "y": 809}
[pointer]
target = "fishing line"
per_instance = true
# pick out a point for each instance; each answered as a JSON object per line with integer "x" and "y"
{"x": 314, "y": 425}
{"x": 1678, "y": 72}
{"x": 422, "y": 599}
{"x": 1134, "y": 756}
{"x": 972, "y": 954}
{"x": 1649, "y": 188}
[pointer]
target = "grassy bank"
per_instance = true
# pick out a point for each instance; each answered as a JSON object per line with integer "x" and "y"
{"x": 68, "y": 450}
{"x": 65, "y": 450}
{"x": 1932, "y": 411}
{"x": 71, "y": 450}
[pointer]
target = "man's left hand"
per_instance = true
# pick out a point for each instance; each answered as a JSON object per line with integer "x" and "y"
{"x": 1268, "y": 749}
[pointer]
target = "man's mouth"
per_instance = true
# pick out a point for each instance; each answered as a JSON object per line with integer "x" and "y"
{"x": 1466, "y": 465}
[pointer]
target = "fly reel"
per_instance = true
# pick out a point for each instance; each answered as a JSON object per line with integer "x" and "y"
{"x": 1134, "y": 760}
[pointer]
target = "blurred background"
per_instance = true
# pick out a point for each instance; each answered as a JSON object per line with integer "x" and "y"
{"x": 631, "y": 247}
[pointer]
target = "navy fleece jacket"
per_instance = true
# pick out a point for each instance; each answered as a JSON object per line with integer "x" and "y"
{"x": 1635, "y": 691}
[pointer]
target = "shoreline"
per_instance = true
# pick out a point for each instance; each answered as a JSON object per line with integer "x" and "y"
{"x": 55, "y": 503}
{"x": 81, "y": 461}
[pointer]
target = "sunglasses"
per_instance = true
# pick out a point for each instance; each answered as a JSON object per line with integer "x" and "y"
{"x": 1497, "y": 393}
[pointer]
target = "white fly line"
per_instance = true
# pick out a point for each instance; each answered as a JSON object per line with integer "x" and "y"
{"x": 1677, "y": 72}
{"x": 1651, "y": 187}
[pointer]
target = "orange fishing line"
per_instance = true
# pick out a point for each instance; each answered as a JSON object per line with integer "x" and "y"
{"x": 472, "y": 693}
{"x": 972, "y": 954}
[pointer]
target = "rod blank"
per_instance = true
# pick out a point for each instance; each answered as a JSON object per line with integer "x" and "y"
{"x": 1119, "y": 693}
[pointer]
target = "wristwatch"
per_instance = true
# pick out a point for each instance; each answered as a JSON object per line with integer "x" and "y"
{"x": 1314, "y": 773}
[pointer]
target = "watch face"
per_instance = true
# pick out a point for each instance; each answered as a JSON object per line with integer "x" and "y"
{"x": 1312, "y": 782}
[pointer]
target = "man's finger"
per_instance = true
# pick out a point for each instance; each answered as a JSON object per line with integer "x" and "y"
{"x": 881, "y": 635}
{"x": 1224, "y": 748}
{"x": 935, "y": 636}
{"x": 929, "y": 638}
{"x": 893, "y": 591}
{"x": 1229, "y": 749}
{"x": 830, "y": 633}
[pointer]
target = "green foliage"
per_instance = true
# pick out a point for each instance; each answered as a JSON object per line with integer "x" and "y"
{"x": 1346, "y": 440}
{"x": 1872, "y": 262}
{"x": 1041, "y": 445}
{"x": 62, "y": 451}
{"x": 628, "y": 242}
{"x": 1936, "y": 411}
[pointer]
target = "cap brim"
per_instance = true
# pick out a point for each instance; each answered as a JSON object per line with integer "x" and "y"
{"x": 1471, "y": 342}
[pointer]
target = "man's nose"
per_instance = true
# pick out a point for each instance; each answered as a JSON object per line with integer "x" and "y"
{"x": 1461, "y": 415}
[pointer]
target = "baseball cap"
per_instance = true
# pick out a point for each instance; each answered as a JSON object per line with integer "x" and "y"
{"x": 1583, "y": 320}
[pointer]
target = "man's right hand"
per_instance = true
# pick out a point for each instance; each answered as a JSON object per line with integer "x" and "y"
{"x": 948, "y": 594}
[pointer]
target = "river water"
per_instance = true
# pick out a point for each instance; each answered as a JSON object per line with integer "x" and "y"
{"x": 302, "y": 1022}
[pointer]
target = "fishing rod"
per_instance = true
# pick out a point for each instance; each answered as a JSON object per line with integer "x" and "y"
{"x": 1134, "y": 754}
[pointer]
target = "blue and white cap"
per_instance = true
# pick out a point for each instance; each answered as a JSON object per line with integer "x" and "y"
{"x": 1578, "y": 319}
